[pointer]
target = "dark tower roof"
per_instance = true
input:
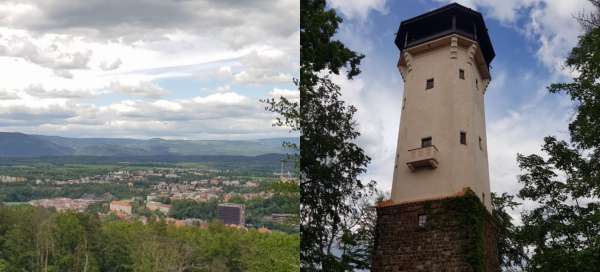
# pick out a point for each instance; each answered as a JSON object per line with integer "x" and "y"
{"x": 449, "y": 19}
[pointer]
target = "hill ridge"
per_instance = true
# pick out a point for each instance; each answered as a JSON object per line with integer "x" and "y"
{"x": 17, "y": 144}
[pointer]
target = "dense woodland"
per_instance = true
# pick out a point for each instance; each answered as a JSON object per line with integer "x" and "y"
{"x": 36, "y": 239}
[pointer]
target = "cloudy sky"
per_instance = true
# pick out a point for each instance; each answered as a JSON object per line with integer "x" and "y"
{"x": 531, "y": 39}
{"x": 146, "y": 68}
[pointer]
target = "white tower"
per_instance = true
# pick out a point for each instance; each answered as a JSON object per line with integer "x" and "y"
{"x": 442, "y": 147}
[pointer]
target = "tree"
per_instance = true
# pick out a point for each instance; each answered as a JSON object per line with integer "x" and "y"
{"x": 330, "y": 161}
{"x": 38, "y": 239}
{"x": 563, "y": 230}
{"x": 511, "y": 252}
{"x": 357, "y": 242}
{"x": 591, "y": 20}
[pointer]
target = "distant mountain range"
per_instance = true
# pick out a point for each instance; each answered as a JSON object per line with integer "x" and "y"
{"x": 25, "y": 145}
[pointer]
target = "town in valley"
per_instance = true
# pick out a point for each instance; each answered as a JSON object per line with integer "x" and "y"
{"x": 181, "y": 194}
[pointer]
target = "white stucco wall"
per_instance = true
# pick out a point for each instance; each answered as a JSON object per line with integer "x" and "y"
{"x": 452, "y": 106}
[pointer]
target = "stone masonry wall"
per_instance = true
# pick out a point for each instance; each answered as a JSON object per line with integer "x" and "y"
{"x": 402, "y": 245}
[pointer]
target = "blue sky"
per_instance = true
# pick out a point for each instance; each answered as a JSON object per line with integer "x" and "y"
{"x": 531, "y": 39}
{"x": 146, "y": 68}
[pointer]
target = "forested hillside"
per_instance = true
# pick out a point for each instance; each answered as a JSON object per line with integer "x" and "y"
{"x": 25, "y": 145}
{"x": 36, "y": 239}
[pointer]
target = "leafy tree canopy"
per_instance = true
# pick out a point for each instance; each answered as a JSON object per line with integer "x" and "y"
{"x": 562, "y": 231}
{"x": 330, "y": 161}
{"x": 37, "y": 239}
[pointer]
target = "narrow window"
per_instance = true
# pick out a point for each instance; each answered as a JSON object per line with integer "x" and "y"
{"x": 425, "y": 142}
{"x": 461, "y": 73}
{"x": 422, "y": 220}
{"x": 429, "y": 84}
{"x": 483, "y": 198}
{"x": 477, "y": 84}
{"x": 480, "y": 144}
{"x": 463, "y": 138}
{"x": 403, "y": 102}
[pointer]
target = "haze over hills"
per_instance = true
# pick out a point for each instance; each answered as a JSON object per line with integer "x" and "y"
{"x": 14, "y": 144}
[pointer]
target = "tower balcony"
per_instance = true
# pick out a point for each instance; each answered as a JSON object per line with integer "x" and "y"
{"x": 423, "y": 157}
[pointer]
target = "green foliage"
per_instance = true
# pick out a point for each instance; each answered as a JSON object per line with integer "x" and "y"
{"x": 98, "y": 207}
{"x": 584, "y": 91}
{"x": 471, "y": 215}
{"x": 42, "y": 170}
{"x": 66, "y": 167}
{"x": 27, "y": 192}
{"x": 358, "y": 239}
{"x": 330, "y": 162}
{"x": 284, "y": 187}
{"x": 182, "y": 209}
{"x": 511, "y": 251}
{"x": 562, "y": 231}
{"x": 258, "y": 211}
{"x": 35, "y": 239}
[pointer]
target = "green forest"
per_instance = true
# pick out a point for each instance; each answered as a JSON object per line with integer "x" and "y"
{"x": 37, "y": 239}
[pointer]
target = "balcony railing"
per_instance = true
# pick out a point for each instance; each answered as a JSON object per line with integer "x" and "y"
{"x": 423, "y": 157}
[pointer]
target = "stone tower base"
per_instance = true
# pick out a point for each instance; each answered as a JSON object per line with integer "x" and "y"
{"x": 459, "y": 235}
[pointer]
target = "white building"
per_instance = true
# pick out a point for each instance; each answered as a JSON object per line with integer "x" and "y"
{"x": 118, "y": 206}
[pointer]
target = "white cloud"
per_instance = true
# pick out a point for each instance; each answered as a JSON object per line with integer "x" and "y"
{"x": 66, "y": 72}
{"x": 551, "y": 24}
{"x": 168, "y": 105}
{"x": 143, "y": 89}
{"x": 6, "y": 95}
{"x": 215, "y": 116}
{"x": 264, "y": 66}
{"x": 111, "y": 66}
{"x": 221, "y": 98}
{"x": 504, "y": 11}
{"x": 17, "y": 113}
{"x": 377, "y": 117}
{"x": 522, "y": 132}
{"x": 44, "y": 52}
{"x": 40, "y": 92}
{"x": 236, "y": 23}
{"x": 557, "y": 31}
{"x": 257, "y": 77}
{"x": 358, "y": 9}
{"x": 292, "y": 95}
{"x": 224, "y": 71}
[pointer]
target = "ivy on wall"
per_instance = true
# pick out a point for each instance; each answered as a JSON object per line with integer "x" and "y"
{"x": 469, "y": 213}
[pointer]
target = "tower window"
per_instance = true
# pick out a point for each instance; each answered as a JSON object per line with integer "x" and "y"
{"x": 422, "y": 220}
{"x": 461, "y": 73}
{"x": 477, "y": 84}
{"x": 403, "y": 102}
{"x": 480, "y": 144}
{"x": 425, "y": 142}
{"x": 463, "y": 138}
{"x": 429, "y": 84}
